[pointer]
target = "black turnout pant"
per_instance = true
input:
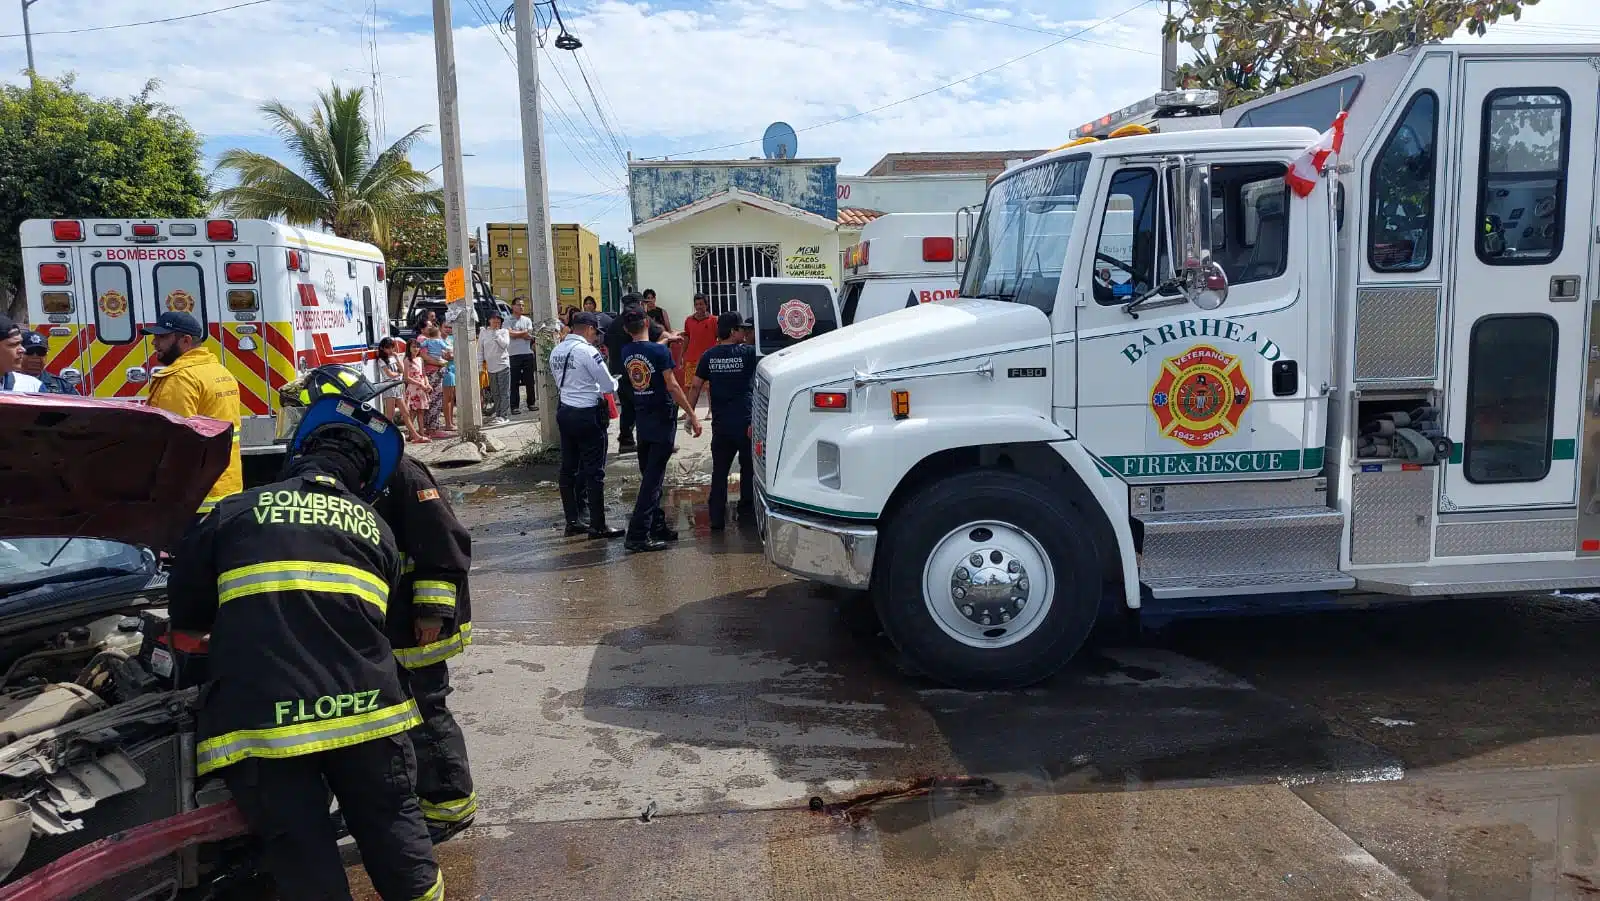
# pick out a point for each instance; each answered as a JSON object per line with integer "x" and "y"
{"x": 523, "y": 379}
{"x": 724, "y": 448}
{"x": 648, "y": 517}
{"x": 583, "y": 463}
{"x": 286, "y": 804}
{"x": 444, "y": 780}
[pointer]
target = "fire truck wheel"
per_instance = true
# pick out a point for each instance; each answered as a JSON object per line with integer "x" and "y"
{"x": 988, "y": 581}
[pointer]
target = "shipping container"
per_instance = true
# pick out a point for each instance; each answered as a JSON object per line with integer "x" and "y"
{"x": 577, "y": 259}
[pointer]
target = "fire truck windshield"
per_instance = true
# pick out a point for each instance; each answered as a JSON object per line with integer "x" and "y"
{"x": 1021, "y": 241}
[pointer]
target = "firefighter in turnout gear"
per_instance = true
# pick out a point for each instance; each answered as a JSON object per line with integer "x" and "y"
{"x": 430, "y": 621}
{"x": 294, "y": 581}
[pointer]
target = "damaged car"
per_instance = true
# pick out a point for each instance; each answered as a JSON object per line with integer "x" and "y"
{"x": 98, "y": 794}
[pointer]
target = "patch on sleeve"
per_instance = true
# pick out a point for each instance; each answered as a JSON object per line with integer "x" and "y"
{"x": 428, "y": 494}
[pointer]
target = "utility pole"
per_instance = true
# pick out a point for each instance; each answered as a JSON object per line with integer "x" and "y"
{"x": 541, "y": 266}
{"x": 27, "y": 34}
{"x": 469, "y": 407}
{"x": 1169, "y": 52}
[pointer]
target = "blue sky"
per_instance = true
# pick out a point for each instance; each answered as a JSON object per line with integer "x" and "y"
{"x": 671, "y": 77}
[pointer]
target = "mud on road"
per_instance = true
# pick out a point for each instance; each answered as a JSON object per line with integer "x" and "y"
{"x": 664, "y": 726}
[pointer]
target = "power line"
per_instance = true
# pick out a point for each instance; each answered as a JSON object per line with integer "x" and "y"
{"x": 930, "y": 91}
{"x": 1002, "y": 22}
{"x": 616, "y": 146}
{"x": 610, "y": 107}
{"x": 209, "y": 12}
{"x": 481, "y": 9}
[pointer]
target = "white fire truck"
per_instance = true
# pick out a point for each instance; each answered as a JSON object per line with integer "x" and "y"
{"x": 1389, "y": 386}
{"x": 902, "y": 260}
{"x": 274, "y": 299}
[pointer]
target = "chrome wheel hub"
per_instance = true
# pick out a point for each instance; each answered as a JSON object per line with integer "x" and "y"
{"x": 988, "y": 584}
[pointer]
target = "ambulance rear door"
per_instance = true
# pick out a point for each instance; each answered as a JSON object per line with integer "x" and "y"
{"x": 59, "y": 300}
{"x": 174, "y": 280}
{"x": 790, "y": 310}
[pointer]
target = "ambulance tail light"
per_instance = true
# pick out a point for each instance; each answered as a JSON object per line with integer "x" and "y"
{"x": 938, "y": 250}
{"x": 383, "y": 274}
{"x": 866, "y": 253}
{"x": 146, "y": 231}
{"x": 107, "y": 230}
{"x": 67, "y": 230}
{"x": 222, "y": 230}
{"x": 241, "y": 300}
{"x": 54, "y": 274}
{"x": 292, "y": 260}
{"x": 240, "y": 273}
{"x": 182, "y": 230}
{"x": 830, "y": 400}
{"x": 56, "y": 303}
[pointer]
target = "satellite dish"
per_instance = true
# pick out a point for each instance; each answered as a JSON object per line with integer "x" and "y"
{"x": 779, "y": 142}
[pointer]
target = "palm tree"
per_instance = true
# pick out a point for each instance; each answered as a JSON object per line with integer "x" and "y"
{"x": 340, "y": 184}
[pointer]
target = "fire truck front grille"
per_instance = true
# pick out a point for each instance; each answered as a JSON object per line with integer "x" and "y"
{"x": 758, "y": 421}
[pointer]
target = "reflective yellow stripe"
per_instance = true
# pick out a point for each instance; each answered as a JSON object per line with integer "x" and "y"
{"x": 436, "y": 893}
{"x": 309, "y": 738}
{"x": 438, "y": 652}
{"x": 303, "y": 575}
{"x": 451, "y": 811}
{"x": 438, "y": 594}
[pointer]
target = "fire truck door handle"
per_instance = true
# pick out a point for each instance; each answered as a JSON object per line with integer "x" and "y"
{"x": 1564, "y": 288}
{"x": 138, "y": 374}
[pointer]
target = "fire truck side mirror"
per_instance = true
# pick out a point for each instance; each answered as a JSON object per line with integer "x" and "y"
{"x": 1201, "y": 277}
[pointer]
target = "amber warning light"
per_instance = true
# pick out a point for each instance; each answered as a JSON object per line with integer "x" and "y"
{"x": 901, "y": 401}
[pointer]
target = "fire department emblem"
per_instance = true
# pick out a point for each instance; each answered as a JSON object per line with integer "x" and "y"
{"x": 113, "y": 304}
{"x": 180, "y": 302}
{"x": 796, "y": 318}
{"x": 639, "y": 372}
{"x": 1200, "y": 396}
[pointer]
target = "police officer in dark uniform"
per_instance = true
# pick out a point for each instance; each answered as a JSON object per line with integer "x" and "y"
{"x": 293, "y": 581}
{"x": 583, "y": 416}
{"x": 430, "y": 621}
{"x": 35, "y": 347}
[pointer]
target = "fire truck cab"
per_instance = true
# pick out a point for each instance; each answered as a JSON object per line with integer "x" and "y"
{"x": 1389, "y": 386}
{"x": 275, "y": 301}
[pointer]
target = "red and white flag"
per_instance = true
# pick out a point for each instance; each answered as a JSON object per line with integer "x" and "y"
{"x": 1307, "y": 168}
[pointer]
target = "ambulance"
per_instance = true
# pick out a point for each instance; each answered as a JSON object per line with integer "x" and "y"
{"x": 275, "y": 301}
{"x": 1309, "y": 379}
{"x": 902, "y": 260}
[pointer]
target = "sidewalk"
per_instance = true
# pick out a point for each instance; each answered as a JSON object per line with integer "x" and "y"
{"x": 519, "y": 449}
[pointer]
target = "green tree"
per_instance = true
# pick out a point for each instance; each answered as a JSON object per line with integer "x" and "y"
{"x": 415, "y": 239}
{"x": 628, "y": 266}
{"x": 1249, "y": 48}
{"x": 340, "y": 185}
{"x": 65, "y": 153}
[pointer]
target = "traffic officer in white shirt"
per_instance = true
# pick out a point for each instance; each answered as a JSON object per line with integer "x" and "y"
{"x": 583, "y": 417}
{"x": 12, "y": 378}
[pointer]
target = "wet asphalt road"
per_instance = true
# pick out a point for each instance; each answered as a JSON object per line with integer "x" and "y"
{"x": 1444, "y": 751}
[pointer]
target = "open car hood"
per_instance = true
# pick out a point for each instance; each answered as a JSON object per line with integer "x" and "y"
{"x": 115, "y": 470}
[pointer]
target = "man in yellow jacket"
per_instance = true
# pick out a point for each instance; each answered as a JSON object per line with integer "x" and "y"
{"x": 194, "y": 383}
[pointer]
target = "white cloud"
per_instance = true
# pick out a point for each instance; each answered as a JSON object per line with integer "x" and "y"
{"x": 679, "y": 76}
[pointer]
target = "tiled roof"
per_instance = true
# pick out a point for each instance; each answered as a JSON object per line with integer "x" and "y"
{"x": 856, "y": 217}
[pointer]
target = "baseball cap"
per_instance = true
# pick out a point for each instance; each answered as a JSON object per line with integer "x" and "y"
{"x": 35, "y": 343}
{"x": 8, "y": 327}
{"x": 173, "y": 322}
{"x": 583, "y": 318}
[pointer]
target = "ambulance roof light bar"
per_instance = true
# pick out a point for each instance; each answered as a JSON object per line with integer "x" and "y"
{"x": 67, "y": 230}
{"x": 221, "y": 230}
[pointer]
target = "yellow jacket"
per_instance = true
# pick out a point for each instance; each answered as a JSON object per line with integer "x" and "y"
{"x": 198, "y": 385}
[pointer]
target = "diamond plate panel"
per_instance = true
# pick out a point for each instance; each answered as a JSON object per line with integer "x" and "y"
{"x": 1525, "y": 536}
{"x": 1391, "y": 516}
{"x": 1192, "y": 546}
{"x": 1397, "y": 333}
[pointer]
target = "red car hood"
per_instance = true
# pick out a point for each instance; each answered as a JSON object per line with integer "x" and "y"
{"x": 106, "y": 469}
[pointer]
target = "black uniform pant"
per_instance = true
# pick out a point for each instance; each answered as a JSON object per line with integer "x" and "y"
{"x": 444, "y": 780}
{"x": 524, "y": 379}
{"x": 724, "y": 448}
{"x": 629, "y": 415}
{"x": 286, "y": 804}
{"x": 583, "y": 462}
{"x": 648, "y": 517}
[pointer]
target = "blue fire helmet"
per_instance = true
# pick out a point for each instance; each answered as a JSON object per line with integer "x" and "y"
{"x": 338, "y": 413}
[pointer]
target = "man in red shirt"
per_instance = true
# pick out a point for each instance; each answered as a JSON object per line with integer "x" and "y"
{"x": 700, "y": 335}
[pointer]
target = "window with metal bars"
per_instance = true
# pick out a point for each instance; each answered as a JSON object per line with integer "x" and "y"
{"x": 719, "y": 270}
